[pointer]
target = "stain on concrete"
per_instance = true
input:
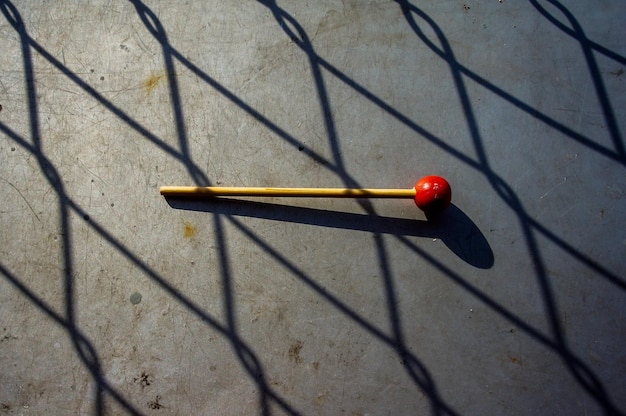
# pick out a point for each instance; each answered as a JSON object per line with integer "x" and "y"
{"x": 144, "y": 379}
{"x": 188, "y": 230}
{"x": 6, "y": 336}
{"x": 135, "y": 298}
{"x": 155, "y": 404}
{"x": 319, "y": 400}
{"x": 151, "y": 82}
{"x": 294, "y": 351}
{"x": 515, "y": 360}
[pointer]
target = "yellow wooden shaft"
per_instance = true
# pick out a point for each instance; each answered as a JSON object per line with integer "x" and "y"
{"x": 214, "y": 191}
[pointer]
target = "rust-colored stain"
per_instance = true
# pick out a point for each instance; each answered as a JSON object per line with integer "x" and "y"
{"x": 515, "y": 360}
{"x": 319, "y": 400}
{"x": 294, "y": 351}
{"x": 152, "y": 81}
{"x": 189, "y": 230}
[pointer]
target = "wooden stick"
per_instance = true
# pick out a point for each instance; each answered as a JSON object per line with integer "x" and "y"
{"x": 216, "y": 191}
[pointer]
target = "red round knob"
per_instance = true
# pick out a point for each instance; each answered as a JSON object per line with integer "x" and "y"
{"x": 432, "y": 194}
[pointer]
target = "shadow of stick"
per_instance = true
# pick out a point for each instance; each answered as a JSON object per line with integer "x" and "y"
{"x": 457, "y": 231}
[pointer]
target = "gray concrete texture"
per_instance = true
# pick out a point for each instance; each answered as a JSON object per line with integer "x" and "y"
{"x": 115, "y": 300}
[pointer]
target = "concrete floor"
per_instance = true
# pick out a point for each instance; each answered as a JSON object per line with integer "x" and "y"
{"x": 114, "y": 300}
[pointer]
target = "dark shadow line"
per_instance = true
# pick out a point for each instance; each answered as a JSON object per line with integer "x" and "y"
{"x": 302, "y": 42}
{"x": 575, "y": 33}
{"x": 391, "y": 341}
{"x": 544, "y": 339}
{"x": 579, "y": 370}
{"x": 154, "y": 26}
{"x": 251, "y": 111}
{"x": 516, "y": 102}
{"x": 247, "y": 359}
{"x": 270, "y": 125}
{"x": 453, "y": 227}
{"x": 54, "y": 179}
{"x": 106, "y": 103}
{"x": 305, "y": 44}
{"x": 418, "y": 372}
{"x": 586, "y": 260}
{"x": 174, "y": 292}
{"x": 162, "y": 282}
{"x": 73, "y": 332}
{"x": 353, "y": 315}
{"x": 587, "y": 47}
{"x": 65, "y": 203}
{"x": 284, "y": 135}
{"x": 98, "y": 97}
{"x": 409, "y": 361}
{"x": 277, "y": 130}
{"x": 499, "y": 184}
{"x": 131, "y": 125}
{"x": 414, "y": 367}
{"x": 241, "y": 348}
{"x": 84, "y": 349}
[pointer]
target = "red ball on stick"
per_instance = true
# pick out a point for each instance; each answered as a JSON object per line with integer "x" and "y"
{"x": 432, "y": 194}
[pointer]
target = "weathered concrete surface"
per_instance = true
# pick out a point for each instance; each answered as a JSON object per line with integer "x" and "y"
{"x": 512, "y": 303}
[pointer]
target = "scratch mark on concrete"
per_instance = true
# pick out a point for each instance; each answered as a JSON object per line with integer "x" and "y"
{"x": 323, "y": 318}
{"x": 386, "y": 388}
{"x": 24, "y": 198}
{"x": 554, "y": 187}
